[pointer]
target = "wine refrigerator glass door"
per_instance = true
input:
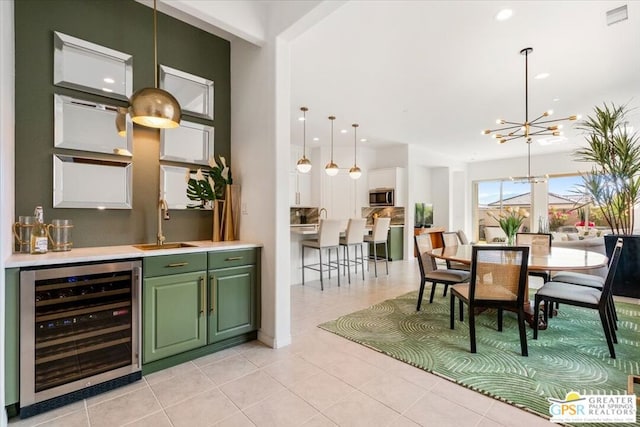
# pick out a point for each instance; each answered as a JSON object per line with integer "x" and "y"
{"x": 79, "y": 327}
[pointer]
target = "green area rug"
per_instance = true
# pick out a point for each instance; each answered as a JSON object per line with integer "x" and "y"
{"x": 571, "y": 355}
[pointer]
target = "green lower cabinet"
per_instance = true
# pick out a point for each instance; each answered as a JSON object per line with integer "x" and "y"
{"x": 174, "y": 314}
{"x": 232, "y": 302}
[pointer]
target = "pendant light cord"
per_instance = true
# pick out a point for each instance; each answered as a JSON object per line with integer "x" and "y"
{"x": 355, "y": 138}
{"x": 304, "y": 132}
{"x": 332, "y": 118}
{"x": 155, "y": 45}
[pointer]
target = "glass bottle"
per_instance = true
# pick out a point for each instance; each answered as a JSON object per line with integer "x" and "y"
{"x": 39, "y": 240}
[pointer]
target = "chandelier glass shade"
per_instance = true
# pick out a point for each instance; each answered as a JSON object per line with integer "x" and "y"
{"x": 304, "y": 164}
{"x": 355, "y": 172}
{"x": 152, "y": 106}
{"x": 331, "y": 168}
{"x": 527, "y": 129}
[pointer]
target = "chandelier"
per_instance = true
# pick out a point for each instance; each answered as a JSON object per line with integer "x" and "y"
{"x": 540, "y": 126}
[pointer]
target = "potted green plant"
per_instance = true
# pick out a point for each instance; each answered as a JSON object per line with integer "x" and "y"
{"x": 613, "y": 184}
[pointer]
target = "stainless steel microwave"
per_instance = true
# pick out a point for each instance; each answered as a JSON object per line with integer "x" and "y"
{"x": 381, "y": 197}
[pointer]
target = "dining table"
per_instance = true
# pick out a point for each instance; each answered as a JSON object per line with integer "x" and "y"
{"x": 555, "y": 259}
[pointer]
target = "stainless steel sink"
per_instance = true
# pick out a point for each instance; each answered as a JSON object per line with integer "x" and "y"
{"x": 155, "y": 246}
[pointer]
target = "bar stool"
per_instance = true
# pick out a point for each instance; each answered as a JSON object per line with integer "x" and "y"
{"x": 328, "y": 238}
{"x": 354, "y": 237}
{"x": 379, "y": 236}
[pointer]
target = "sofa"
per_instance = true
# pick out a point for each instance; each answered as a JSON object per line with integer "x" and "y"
{"x": 576, "y": 241}
{"x": 591, "y": 243}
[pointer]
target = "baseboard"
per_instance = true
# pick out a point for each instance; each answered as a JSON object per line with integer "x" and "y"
{"x": 272, "y": 342}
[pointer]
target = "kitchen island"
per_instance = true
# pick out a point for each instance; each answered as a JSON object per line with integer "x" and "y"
{"x": 310, "y": 231}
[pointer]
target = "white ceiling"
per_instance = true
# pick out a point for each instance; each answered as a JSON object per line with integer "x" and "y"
{"x": 436, "y": 73}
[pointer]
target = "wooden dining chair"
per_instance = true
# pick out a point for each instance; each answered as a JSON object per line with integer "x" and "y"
{"x": 590, "y": 281}
{"x": 540, "y": 244}
{"x": 583, "y": 296}
{"x": 450, "y": 238}
{"x": 498, "y": 280}
{"x": 429, "y": 271}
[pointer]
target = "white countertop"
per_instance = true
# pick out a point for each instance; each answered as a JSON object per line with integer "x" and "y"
{"x": 313, "y": 229}
{"x": 105, "y": 253}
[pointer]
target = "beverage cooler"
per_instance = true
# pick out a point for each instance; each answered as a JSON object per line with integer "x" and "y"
{"x": 79, "y": 332}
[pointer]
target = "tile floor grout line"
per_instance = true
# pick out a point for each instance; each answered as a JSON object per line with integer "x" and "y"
{"x": 162, "y": 409}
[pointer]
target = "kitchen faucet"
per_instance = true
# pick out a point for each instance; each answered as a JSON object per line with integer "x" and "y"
{"x": 162, "y": 207}
{"x": 325, "y": 213}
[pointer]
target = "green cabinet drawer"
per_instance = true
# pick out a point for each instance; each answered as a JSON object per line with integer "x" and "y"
{"x": 163, "y": 265}
{"x": 232, "y": 258}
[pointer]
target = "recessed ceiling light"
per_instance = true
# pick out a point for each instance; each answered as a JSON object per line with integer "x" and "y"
{"x": 316, "y": 139}
{"x": 363, "y": 139}
{"x": 542, "y": 76}
{"x": 343, "y": 131}
{"x": 556, "y": 99}
{"x": 504, "y": 14}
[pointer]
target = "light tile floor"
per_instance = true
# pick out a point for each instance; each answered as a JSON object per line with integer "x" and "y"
{"x": 319, "y": 380}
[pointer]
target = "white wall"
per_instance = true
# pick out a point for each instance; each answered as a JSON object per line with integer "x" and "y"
{"x": 7, "y": 118}
{"x": 441, "y": 196}
{"x": 460, "y": 200}
{"x": 556, "y": 163}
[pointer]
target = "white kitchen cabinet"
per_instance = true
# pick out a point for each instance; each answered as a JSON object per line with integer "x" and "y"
{"x": 389, "y": 178}
{"x": 299, "y": 189}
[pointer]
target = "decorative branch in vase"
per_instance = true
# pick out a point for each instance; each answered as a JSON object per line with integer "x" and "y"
{"x": 211, "y": 187}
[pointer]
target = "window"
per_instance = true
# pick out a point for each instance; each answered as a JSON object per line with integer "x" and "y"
{"x": 493, "y": 197}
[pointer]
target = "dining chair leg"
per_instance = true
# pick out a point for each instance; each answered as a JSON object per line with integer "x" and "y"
{"x": 461, "y": 310}
{"x": 433, "y": 291}
{"x": 610, "y": 324}
{"x": 612, "y": 310}
{"x": 452, "y": 308}
{"x": 420, "y": 293}
{"x": 607, "y": 334}
{"x": 523, "y": 334}
{"x": 499, "y": 320}
{"x": 472, "y": 329}
{"x": 329, "y": 263}
{"x": 536, "y": 315}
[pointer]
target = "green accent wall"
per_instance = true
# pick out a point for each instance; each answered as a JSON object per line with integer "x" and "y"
{"x": 126, "y": 26}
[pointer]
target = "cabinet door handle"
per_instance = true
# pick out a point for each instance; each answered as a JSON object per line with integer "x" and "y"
{"x": 177, "y": 264}
{"x": 234, "y": 258}
{"x": 202, "y": 296}
{"x": 212, "y": 289}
